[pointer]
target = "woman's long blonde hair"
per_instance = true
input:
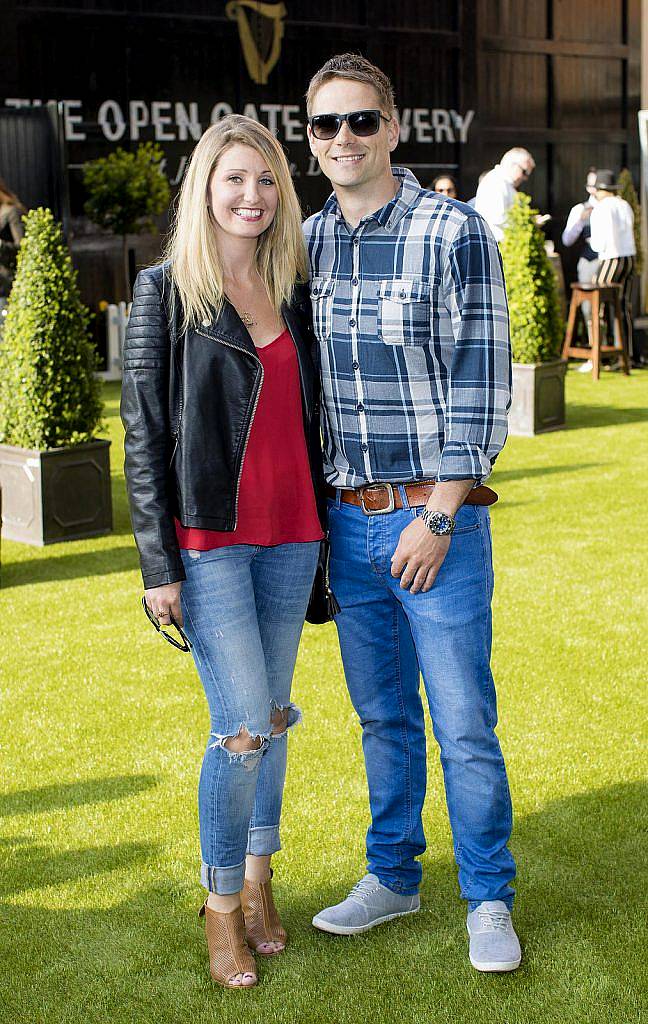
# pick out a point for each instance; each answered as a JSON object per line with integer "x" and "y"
{"x": 196, "y": 267}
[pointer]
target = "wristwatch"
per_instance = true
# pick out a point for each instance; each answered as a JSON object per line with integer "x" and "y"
{"x": 441, "y": 524}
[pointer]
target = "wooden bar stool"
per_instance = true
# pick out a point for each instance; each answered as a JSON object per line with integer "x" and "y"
{"x": 596, "y": 294}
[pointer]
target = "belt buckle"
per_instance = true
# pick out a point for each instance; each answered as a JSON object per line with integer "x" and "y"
{"x": 377, "y": 511}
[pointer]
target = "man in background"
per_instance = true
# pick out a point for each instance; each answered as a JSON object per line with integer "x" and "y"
{"x": 497, "y": 189}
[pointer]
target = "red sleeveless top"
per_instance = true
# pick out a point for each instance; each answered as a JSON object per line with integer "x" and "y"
{"x": 276, "y": 502}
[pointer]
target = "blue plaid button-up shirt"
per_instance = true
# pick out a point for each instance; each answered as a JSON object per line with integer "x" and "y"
{"x": 410, "y": 312}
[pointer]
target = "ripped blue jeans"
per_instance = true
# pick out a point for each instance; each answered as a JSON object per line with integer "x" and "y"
{"x": 243, "y": 609}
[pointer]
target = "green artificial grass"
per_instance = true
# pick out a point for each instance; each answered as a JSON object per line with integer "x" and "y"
{"x": 104, "y": 726}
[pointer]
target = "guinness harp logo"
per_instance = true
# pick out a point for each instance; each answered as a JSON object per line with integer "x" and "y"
{"x": 261, "y": 30}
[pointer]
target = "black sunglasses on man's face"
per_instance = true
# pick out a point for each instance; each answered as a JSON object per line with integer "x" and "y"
{"x": 361, "y": 122}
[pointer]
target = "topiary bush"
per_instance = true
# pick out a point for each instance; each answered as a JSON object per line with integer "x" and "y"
{"x": 49, "y": 395}
{"x": 125, "y": 191}
{"x": 534, "y": 307}
{"x": 627, "y": 192}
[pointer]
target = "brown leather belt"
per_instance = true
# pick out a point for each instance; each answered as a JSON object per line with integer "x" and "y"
{"x": 377, "y": 499}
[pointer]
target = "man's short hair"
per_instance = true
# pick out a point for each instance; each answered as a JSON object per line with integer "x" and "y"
{"x": 356, "y": 68}
{"x": 515, "y": 155}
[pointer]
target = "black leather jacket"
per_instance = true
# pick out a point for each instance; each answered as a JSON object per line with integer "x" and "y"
{"x": 188, "y": 401}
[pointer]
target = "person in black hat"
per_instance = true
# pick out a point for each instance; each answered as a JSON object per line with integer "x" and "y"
{"x": 612, "y": 238}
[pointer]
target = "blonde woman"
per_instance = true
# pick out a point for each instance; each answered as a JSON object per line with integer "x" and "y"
{"x": 223, "y": 467}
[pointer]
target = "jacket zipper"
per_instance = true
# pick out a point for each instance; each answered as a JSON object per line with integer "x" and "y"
{"x": 176, "y": 433}
{"x": 254, "y": 408}
{"x": 175, "y": 448}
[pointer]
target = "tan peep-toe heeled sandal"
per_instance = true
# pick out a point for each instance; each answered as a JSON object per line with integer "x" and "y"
{"x": 228, "y": 952}
{"x": 262, "y": 924}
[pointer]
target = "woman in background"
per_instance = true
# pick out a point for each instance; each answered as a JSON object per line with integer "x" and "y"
{"x": 445, "y": 185}
{"x": 11, "y": 235}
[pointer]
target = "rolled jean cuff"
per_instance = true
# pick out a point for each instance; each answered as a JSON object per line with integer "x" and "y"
{"x": 223, "y": 881}
{"x": 263, "y": 841}
{"x": 399, "y": 887}
{"x": 508, "y": 900}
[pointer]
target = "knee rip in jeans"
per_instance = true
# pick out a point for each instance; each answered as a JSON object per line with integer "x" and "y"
{"x": 283, "y": 718}
{"x": 242, "y": 748}
{"x": 247, "y": 749}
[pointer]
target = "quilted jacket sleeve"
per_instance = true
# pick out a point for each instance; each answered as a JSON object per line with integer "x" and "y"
{"x": 149, "y": 442}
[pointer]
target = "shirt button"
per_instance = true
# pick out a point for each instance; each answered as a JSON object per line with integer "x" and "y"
{"x": 355, "y": 364}
{"x": 364, "y": 447}
{"x": 402, "y": 295}
{"x": 354, "y": 281}
{"x": 360, "y": 407}
{"x": 356, "y": 241}
{"x": 315, "y": 291}
{"x": 352, "y": 322}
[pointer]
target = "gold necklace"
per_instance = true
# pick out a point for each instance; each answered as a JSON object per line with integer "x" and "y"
{"x": 246, "y": 317}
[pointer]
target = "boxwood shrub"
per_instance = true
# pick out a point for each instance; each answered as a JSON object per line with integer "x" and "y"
{"x": 49, "y": 395}
{"x": 534, "y": 309}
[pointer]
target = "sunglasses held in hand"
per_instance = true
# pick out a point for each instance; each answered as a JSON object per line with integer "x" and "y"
{"x": 361, "y": 122}
{"x": 185, "y": 645}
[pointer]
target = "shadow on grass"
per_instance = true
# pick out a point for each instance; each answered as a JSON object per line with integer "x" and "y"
{"x": 74, "y": 794}
{"x": 47, "y": 568}
{"x": 531, "y": 471}
{"x": 580, "y": 898}
{"x": 39, "y": 867}
{"x": 580, "y": 416}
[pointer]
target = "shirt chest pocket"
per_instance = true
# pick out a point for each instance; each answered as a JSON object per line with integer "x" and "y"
{"x": 321, "y": 291}
{"x": 404, "y": 312}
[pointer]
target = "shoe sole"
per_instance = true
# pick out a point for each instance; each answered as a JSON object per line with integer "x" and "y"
{"x": 341, "y": 929}
{"x": 497, "y": 967}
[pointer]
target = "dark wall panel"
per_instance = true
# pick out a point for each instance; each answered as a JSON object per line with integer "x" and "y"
{"x": 587, "y": 92}
{"x": 597, "y": 21}
{"x": 514, "y": 89}
{"x": 512, "y": 18}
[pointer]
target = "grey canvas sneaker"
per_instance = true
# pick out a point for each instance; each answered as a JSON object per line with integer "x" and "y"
{"x": 494, "y": 946}
{"x": 369, "y": 903}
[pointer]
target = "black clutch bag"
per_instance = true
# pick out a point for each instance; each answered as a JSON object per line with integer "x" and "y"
{"x": 322, "y": 606}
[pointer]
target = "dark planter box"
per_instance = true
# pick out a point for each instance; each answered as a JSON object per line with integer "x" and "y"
{"x": 538, "y": 398}
{"x": 61, "y": 494}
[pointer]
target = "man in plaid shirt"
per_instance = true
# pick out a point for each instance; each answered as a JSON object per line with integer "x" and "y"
{"x": 410, "y": 314}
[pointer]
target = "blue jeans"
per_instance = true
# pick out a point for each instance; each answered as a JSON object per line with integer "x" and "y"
{"x": 386, "y": 636}
{"x": 243, "y": 608}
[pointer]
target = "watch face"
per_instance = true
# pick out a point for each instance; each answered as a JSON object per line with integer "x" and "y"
{"x": 444, "y": 523}
{"x": 439, "y": 523}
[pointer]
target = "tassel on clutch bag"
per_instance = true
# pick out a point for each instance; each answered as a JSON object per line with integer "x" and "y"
{"x": 322, "y": 606}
